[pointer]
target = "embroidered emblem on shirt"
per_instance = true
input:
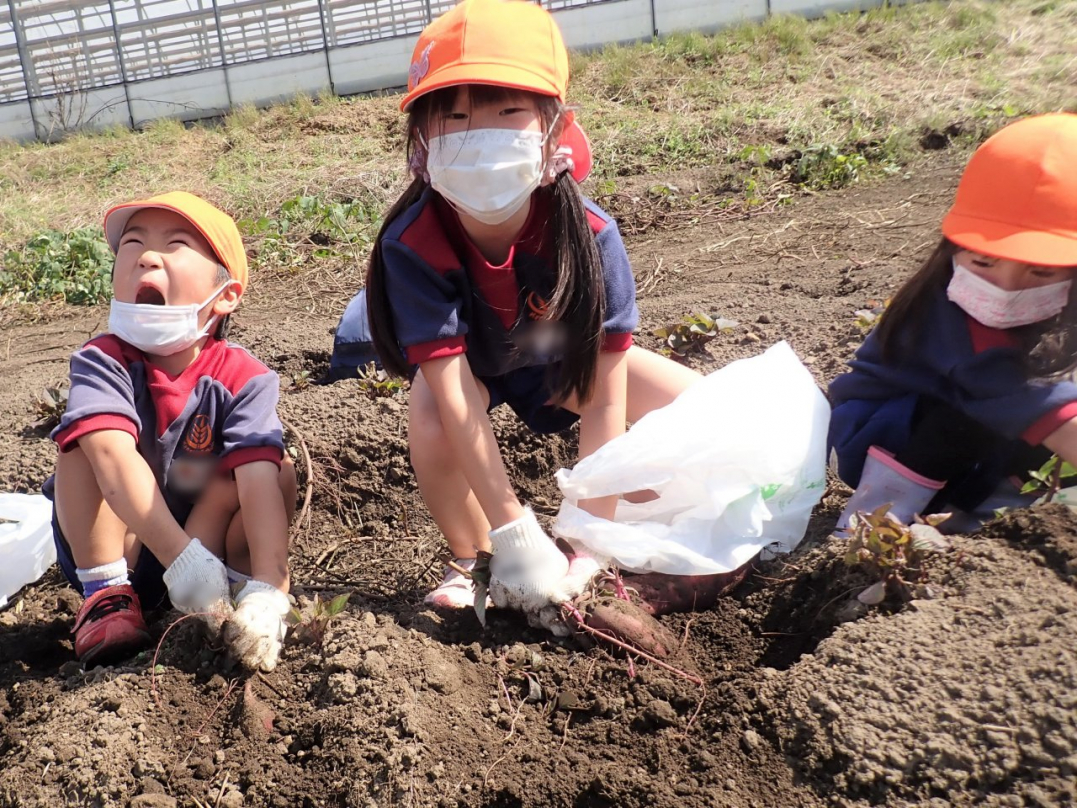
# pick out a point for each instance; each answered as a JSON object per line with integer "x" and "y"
{"x": 536, "y": 307}
{"x": 199, "y": 438}
{"x": 419, "y": 68}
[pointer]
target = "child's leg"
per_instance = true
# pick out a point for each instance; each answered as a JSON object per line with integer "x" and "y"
{"x": 109, "y": 624}
{"x": 94, "y": 533}
{"x": 654, "y": 381}
{"x": 217, "y": 520}
{"x": 442, "y": 482}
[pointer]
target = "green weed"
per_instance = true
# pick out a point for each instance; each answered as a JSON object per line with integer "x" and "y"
{"x": 51, "y": 407}
{"x": 826, "y": 166}
{"x": 692, "y": 333}
{"x": 309, "y": 625}
{"x": 894, "y": 554}
{"x": 1047, "y": 479}
{"x": 72, "y": 267}
{"x": 376, "y": 383}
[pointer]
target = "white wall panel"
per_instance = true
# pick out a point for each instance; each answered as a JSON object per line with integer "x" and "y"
{"x": 373, "y": 66}
{"x": 187, "y": 97}
{"x": 15, "y": 121}
{"x": 263, "y": 83}
{"x": 817, "y": 8}
{"x": 90, "y": 109}
{"x": 693, "y": 15}
{"x": 603, "y": 23}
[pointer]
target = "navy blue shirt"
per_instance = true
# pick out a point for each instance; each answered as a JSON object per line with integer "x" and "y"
{"x": 447, "y": 299}
{"x": 950, "y": 360}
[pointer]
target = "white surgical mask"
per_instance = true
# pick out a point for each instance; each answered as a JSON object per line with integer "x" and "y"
{"x": 486, "y": 173}
{"x": 160, "y": 330}
{"x": 998, "y": 308}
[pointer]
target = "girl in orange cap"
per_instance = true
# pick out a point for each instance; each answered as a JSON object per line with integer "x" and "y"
{"x": 962, "y": 389}
{"x": 495, "y": 282}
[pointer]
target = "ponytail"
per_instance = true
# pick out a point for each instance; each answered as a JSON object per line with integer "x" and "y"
{"x": 378, "y": 307}
{"x": 579, "y": 296}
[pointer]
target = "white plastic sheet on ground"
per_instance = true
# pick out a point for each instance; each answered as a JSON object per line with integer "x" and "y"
{"x": 26, "y": 547}
{"x": 738, "y": 462}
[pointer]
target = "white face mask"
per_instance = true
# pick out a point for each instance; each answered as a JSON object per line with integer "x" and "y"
{"x": 160, "y": 330}
{"x": 486, "y": 173}
{"x": 999, "y": 308}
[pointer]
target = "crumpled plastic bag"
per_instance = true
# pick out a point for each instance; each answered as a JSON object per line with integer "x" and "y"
{"x": 738, "y": 462}
{"x": 26, "y": 545}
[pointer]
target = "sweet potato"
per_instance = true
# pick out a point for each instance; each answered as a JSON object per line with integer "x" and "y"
{"x": 630, "y": 623}
{"x": 665, "y": 594}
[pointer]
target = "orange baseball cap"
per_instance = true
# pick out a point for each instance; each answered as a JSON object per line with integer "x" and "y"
{"x": 504, "y": 43}
{"x": 1018, "y": 196}
{"x": 218, "y": 228}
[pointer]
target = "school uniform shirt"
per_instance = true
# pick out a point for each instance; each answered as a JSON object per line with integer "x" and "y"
{"x": 975, "y": 369}
{"x": 216, "y": 415}
{"x": 447, "y": 299}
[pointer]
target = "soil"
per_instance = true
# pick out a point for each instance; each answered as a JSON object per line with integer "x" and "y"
{"x": 808, "y": 699}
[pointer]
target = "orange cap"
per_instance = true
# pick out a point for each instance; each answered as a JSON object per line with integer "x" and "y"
{"x": 218, "y": 228}
{"x": 504, "y": 43}
{"x": 1018, "y": 196}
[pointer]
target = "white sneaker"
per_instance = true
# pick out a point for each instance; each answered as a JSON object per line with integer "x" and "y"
{"x": 455, "y": 591}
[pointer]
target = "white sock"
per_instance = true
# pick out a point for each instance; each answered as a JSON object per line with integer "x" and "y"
{"x": 95, "y": 579}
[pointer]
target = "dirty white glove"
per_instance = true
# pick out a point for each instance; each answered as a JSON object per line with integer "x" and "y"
{"x": 255, "y": 632}
{"x": 527, "y": 568}
{"x": 197, "y": 583}
{"x": 582, "y": 569}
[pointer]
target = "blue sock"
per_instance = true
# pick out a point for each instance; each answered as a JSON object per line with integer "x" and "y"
{"x": 95, "y": 579}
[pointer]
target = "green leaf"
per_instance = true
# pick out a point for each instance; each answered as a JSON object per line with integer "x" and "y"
{"x": 337, "y": 604}
{"x": 481, "y": 590}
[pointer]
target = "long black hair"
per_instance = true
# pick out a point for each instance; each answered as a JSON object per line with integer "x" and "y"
{"x": 1049, "y": 348}
{"x": 578, "y": 299}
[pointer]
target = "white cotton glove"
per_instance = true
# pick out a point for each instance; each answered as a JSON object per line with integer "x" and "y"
{"x": 255, "y": 632}
{"x": 527, "y": 569}
{"x": 197, "y": 583}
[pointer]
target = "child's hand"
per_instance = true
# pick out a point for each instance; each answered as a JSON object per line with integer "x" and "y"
{"x": 197, "y": 583}
{"x": 255, "y": 631}
{"x": 527, "y": 570}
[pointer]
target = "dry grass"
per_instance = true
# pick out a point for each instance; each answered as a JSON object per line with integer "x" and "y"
{"x": 872, "y": 83}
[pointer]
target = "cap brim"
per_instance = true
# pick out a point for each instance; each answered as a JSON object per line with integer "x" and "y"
{"x": 1002, "y": 240}
{"x": 496, "y": 75}
{"x": 116, "y": 220}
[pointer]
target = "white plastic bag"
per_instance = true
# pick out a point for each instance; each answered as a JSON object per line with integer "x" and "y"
{"x": 26, "y": 546}
{"x": 738, "y": 462}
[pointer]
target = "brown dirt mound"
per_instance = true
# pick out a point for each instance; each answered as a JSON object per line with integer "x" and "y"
{"x": 964, "y": 700}
{"x": 404, "y": 706}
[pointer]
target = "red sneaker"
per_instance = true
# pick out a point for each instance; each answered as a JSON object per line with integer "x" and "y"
{"x": 109, "y": 626}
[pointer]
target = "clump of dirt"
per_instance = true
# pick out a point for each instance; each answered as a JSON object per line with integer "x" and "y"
{"x": 1048, "y": 532}
{"x": 969, "y": 699}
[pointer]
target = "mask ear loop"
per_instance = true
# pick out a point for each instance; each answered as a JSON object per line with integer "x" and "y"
{"x": 561, "y": 160}
{"x": 209, "y": 326}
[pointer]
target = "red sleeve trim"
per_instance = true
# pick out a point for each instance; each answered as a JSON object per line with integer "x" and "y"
{"x": 250, "y": 454}
{"x": 615, "y": 343}
{"x": 69, "y": 438}
{"x": 1046, "y": 424}
{"x": 425, "y": 351}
